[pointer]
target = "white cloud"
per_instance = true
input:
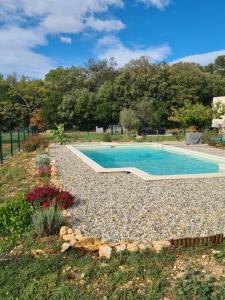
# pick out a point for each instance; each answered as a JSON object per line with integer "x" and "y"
{"x": 160, "y": 4}
{"x": 110, "y": 46}
{"x": 202, "y": 59}
{"x": 65, "y": 39}
{"x": 17, "y": 52}
{"x": 26, "y": 25}
{"x": 104, "y": 25}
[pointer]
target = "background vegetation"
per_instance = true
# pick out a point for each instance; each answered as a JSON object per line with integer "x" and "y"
{"x": 82, "y": 97}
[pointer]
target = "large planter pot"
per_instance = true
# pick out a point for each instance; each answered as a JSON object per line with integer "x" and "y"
{"x": 193, "y": 138}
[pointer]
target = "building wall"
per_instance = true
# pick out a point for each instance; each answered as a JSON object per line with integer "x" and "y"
{"x": 219, "y": 123}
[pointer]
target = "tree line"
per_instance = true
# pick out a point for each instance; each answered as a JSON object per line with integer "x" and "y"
{"x": 96, "y": 93}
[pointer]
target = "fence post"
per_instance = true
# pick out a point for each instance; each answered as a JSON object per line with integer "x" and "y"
{"x": 19, "y": 140}
{"x": 1, "y": 150}
{"x": 11, "y": 142}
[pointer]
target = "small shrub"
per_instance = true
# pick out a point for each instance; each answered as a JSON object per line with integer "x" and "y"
{"x": 59, "y": 133}
{"x": 64, "y": 200}
{"x": 44, "y": 171}
{"x": 47, "y": 221}
{"x": 107, "y": 137}
{"x": 42, "y": 160}
{"x": 34, "y": 143}
{"x": 15, "y": 216}
{"x": 47, "y": 196}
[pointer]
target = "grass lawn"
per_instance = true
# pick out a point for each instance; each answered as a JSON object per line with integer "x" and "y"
{"x": 194, "y": 273}
{"x": 81, "y": 136}
{"x": 18, "y": 175}
{"x": 6, "y": 142}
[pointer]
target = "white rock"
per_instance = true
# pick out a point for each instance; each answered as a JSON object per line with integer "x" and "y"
{"x": 132, "y": 247}
{"x": 105, "y": 251}
{"x": 144, "y": 246}
{"x": 159, "y": 245}
{"x": 120, "y": 248}
{"x": 68, "y": 237}
{"x": 77, "y": 232}
{"x": 63, "y": 230}
{"x": 70, "y": 231}
{"x": 65, "y": 247}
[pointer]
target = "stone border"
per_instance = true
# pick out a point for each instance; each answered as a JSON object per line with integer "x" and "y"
{"x": 99, "y": 169}
{"x": 74, "y": 238}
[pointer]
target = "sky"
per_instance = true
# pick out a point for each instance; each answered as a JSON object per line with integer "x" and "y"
{"x": 39, "y": 35}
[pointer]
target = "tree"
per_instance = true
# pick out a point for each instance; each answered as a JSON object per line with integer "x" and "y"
{"x": 196, "y": 115}
{"x": 220, "y": 64}
{"x": 107, "y": 109}
{"x": 13, "y": 115}
{"x": 36, "y": 120}
{"x": 148, "y": 113}
{"x": 128, "y": 119}
{"x": 78, "y": 108}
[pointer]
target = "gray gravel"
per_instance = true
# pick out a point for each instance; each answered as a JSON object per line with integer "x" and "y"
{"x": 117, "y": 206}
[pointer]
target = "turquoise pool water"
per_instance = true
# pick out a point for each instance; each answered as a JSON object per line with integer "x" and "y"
{"x": 155, "y": 161}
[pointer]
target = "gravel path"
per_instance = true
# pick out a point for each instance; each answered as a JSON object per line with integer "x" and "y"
{"x": 120, "y": 206}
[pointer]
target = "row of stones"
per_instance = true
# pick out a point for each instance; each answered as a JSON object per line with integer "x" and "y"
{"x": 74, "y": 238}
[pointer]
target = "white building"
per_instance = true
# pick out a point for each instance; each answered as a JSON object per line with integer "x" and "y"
{"x": 219, "y": 123}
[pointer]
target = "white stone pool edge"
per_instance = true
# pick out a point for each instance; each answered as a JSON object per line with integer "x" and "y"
{"x": 99, "y": 169}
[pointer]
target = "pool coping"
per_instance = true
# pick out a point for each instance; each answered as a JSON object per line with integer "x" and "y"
{"x": 146, "y": 176}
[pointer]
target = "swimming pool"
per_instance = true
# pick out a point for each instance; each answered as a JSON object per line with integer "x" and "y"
{"x": 150, "y": 160}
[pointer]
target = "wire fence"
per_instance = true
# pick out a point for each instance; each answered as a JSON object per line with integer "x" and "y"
{"x": 11, "y": 142}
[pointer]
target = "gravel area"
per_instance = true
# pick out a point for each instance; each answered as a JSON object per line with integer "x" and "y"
{"x": 117, "y": 206}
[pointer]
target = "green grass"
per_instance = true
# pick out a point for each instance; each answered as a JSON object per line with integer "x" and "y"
{"x": 125, "y": 276}
{"x": 17, "y": 175}
{"x": 6, "y": 142}
{"x": 79, "y": 275}
{"x": 79, "y": 137}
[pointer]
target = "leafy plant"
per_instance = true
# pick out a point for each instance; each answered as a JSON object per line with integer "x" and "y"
{"x": 129, "y": 119}
{"x": 210, "y": 137}
{"x": 42, "y": 160}
{"x": 190, "y": 114}
{"x": 59, "y": 133}
{"x": 46, "y": 196}
{"x": 107, "y": 137}
{"x": 35, "y": 143}
{"x": 47, "y": 221}
{"x": 43, "y": 165}
{"x": 36, "y": 120}
{"x": 15, "y": 215}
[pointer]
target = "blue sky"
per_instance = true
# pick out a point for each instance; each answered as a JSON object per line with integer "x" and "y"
{"x": 36, "y": 36}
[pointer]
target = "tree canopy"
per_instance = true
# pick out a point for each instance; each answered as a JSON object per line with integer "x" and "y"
{"x": 97, "y": 92}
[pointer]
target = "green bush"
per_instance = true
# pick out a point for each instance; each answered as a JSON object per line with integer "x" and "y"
{"x": 15, "y": 216}
{"x": 43, "y": 160}
{"x": 107, "y": 137}
{"x": 209, "y": 137}
{"x": 47, "y": 221}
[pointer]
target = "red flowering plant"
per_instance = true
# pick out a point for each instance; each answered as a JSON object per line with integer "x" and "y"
{"x": 46, "y": 196}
